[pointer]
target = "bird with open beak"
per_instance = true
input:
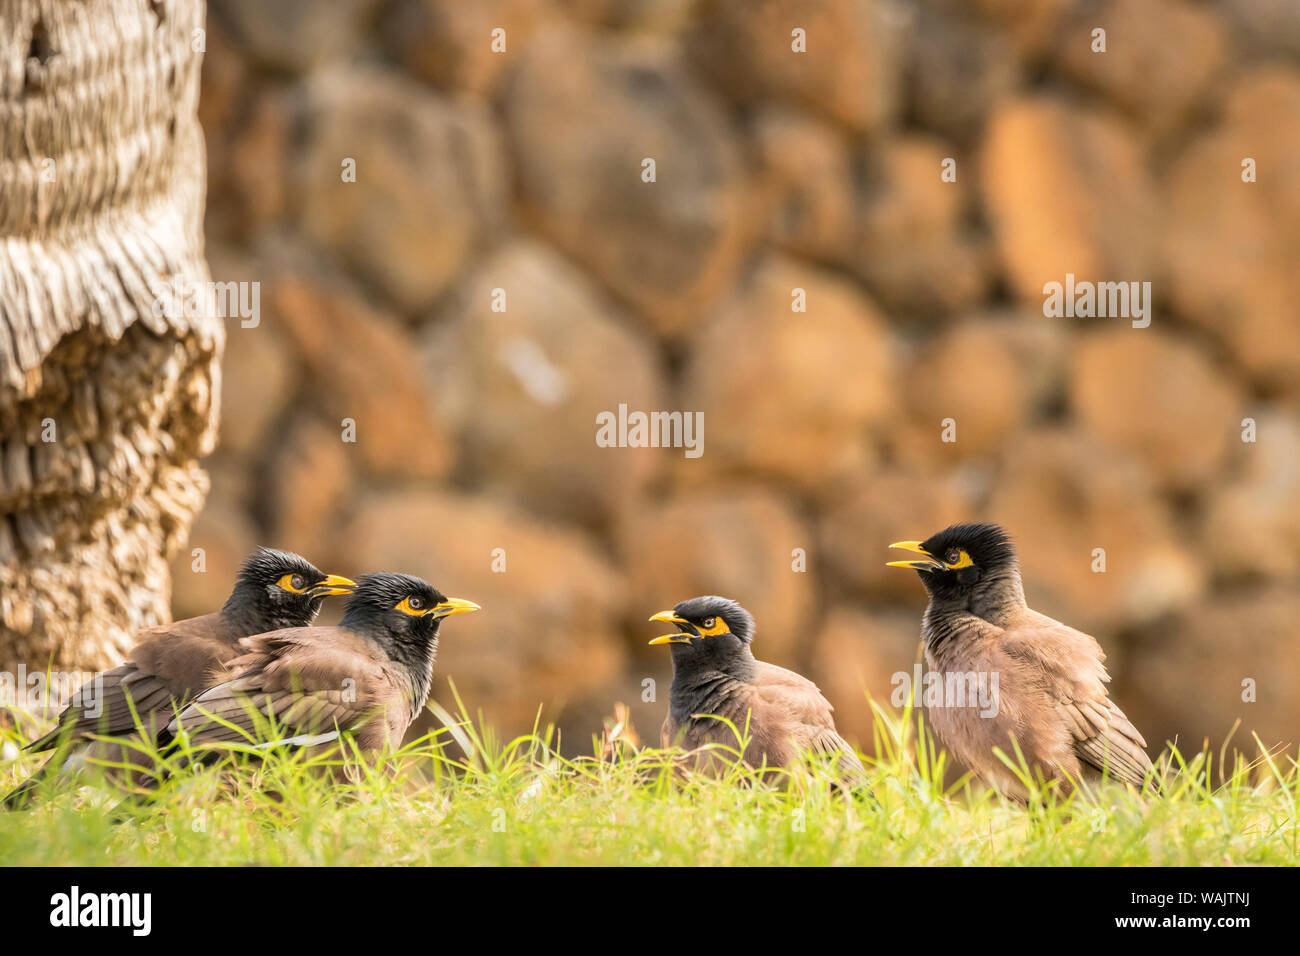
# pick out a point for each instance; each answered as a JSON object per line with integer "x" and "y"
{"x": 368, "y": 677}
{"x": 1049, "y": 681}
{"x": 176, "y": 662}
{"x": 715, "y": 674}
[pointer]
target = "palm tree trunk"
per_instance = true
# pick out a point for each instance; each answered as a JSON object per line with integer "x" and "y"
{"x": 108, "y": 383}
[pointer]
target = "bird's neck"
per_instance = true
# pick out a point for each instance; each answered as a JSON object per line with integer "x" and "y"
{"x": 414, "y": 655}
{"x": 422, "y": 679}
{"x": 242, "y": 616}
{"x": 703, "y": 670}
{"x": 416, "y": 659}
{"x": 1000, "y": 603}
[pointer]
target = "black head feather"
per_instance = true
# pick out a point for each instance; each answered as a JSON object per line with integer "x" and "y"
{"x": 398, "y": 611}
{"x": 700, "y": 609}
{"x": 713, "y": 644}
{"x": 263, "y": 600}
{"x": 375, "y": 601}
{"x": 988, "y": 574}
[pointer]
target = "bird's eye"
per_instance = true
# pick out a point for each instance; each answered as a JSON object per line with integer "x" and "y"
{"x": 708, "y": 622}
{"x": 293, "y": 583}
{"x": 415, "y": 603}
{"x": 953, "y": 556}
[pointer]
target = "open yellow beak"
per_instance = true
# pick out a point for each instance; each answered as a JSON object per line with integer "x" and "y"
{"x": 454, "y": 606}
{"x": 677, "y": 637}
{"x": 930, "y": 564}
{"x": 333, "y": 584}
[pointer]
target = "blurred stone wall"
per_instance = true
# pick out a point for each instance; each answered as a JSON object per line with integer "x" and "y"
{"x": 519, "y": 174}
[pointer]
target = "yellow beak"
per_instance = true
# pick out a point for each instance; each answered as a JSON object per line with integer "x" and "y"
{"x": 455, "y": 606}
{"x": 333, "y": 584}
{"x": 677, "y": 637}
{"x": 931, "y": 564}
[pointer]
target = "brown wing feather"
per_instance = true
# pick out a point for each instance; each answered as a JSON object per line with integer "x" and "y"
{"x": 792, "y": 715}
{"x": 308, "y": 681}
{"x": 171, "y": 663}
{"x": 1075, "y": 678}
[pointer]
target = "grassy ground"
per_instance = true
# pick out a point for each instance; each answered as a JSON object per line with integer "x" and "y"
{"x": 462, "y": 797}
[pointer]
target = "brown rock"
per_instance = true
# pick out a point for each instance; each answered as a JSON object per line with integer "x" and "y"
{"x": 201, "y": 583}
{"x": 960, "y": 67}
{"x": 737, "y": 543}
{"x": 1232, "y": 246}
{"x": 223, "y": 91}
{"x": 990, "y": 373}
{"x": 849, "y": 72}
{"x": 429, "y": 186}
{"x": 1161, "y": 59}
{"x": 1252, "y": 524}
{"x": 1033, "y": 25}
{"x": 365, "y": 368}
{"x": 548, "y": 632}
{"x": 1044, "y": 165}
{"x": 222, "y": 82}
{"x": 1264, "y": 27}
{"x": 582, "y": 117}
{"x": 296, "y": 34}
{"x": 234, "y": 480}
{"x": 791, "y": 394}
{"x": 809, "y": 182}
{"x": 1205, "y": 655}
{"x": 522, "y": 387}
{"x": 972, "y": 374}
{"x": 451, "y": 44}
{"x": 1062, "y": 495}
{"x": 658, "y": 16}
{"x": 913, "y": 248}
{"x": 1158, "y": 398}
{"x": 309, "y": 481}
{"x": 887, "y": 506}
{"x": 859, "y": 658}
{"x": 256, "y": 186}
{"x": 259, "y": 375}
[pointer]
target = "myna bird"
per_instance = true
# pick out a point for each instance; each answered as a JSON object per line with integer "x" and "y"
{"x": 1050, "y": 694}
{"x": 715, "y": 673}
{"x": 369, "y": 676}
{"x": 174, "y": 662}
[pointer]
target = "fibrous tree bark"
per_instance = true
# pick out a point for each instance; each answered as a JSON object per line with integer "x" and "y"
{"x": 108, "y": 364}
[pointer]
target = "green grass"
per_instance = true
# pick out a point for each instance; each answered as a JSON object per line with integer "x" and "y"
{"x": 461, "y": 796}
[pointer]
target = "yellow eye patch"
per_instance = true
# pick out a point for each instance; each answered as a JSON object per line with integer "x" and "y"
{"x": 286, "y": 582}
{"x": 405, "y": 607}
{"x": 719, "y": 627}
{"x": 963, "y": 560}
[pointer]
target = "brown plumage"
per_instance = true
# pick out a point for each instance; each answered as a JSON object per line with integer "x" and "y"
{"x": 715, "y": 673}
{"x": 1051, "y": 695}
{"x": 174, "y": 662}
{"x": 304, "y": 687}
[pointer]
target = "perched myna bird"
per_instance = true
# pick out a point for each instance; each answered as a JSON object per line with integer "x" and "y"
{"x": 1051, "y": 684}
{"x": 369, "y": 676}
{"x": 714, "y": 672}
{"x": 173, "y": 663}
